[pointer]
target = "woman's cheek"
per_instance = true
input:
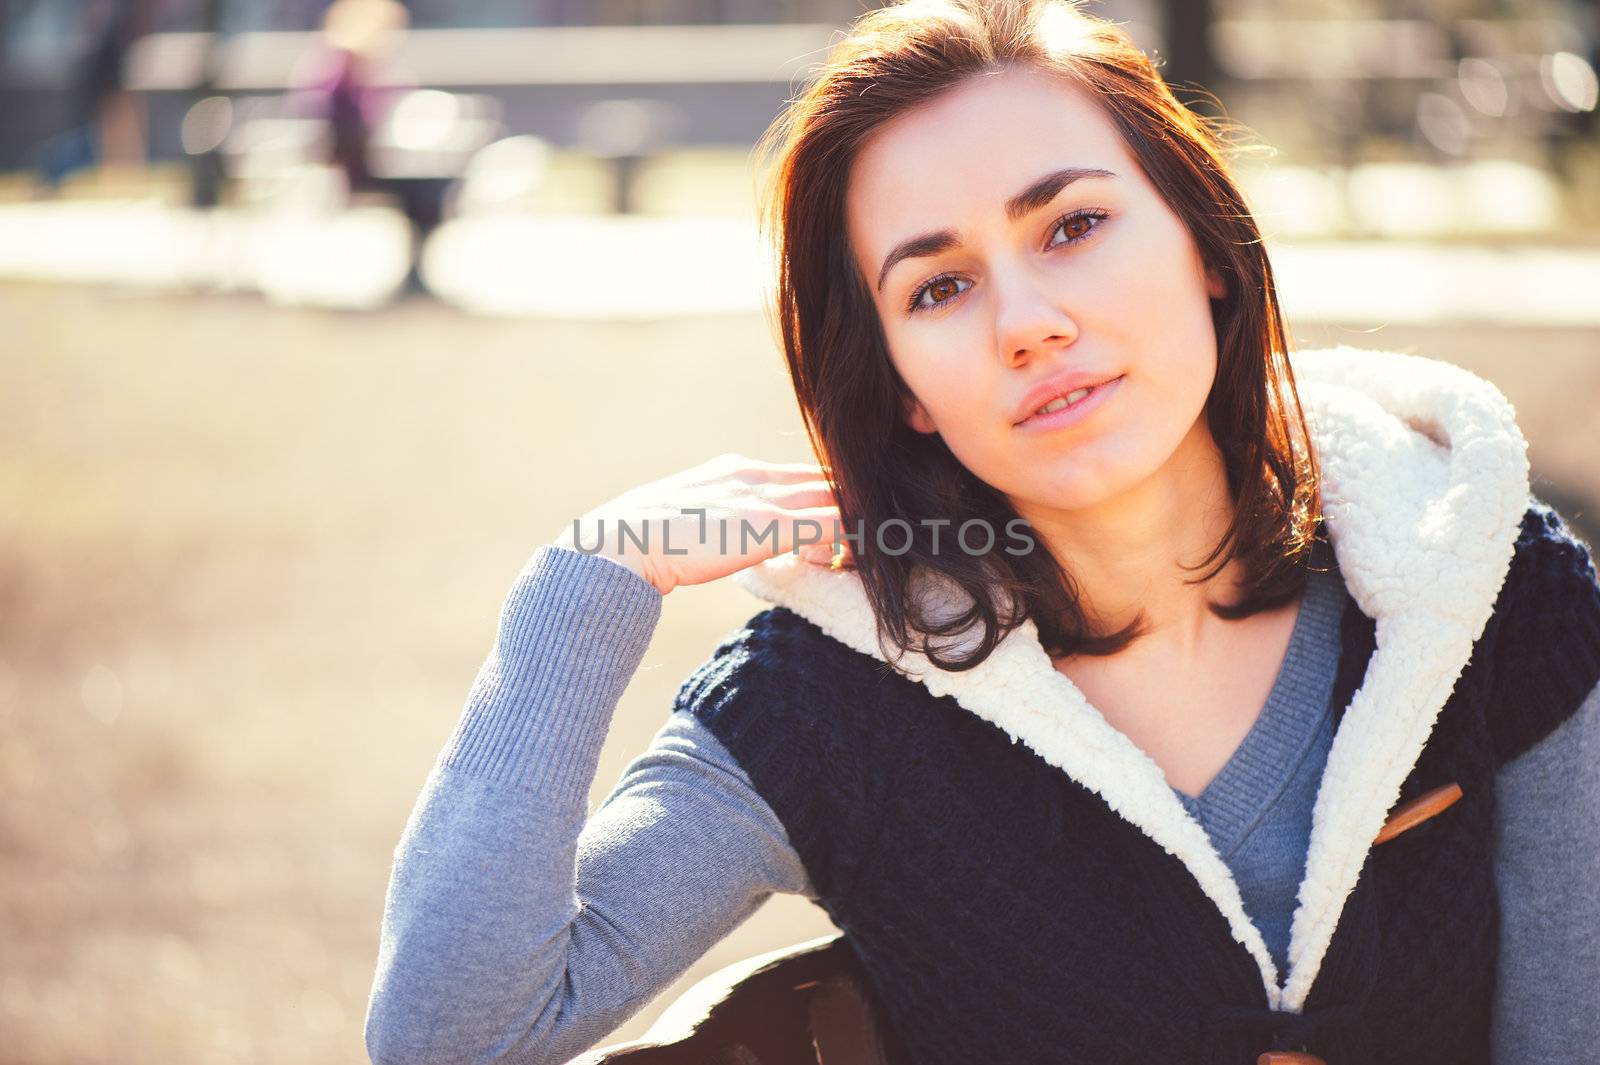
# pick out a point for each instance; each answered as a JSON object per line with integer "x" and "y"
{"x": 947, "y": 387}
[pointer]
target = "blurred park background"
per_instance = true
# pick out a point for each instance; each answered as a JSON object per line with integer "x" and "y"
{"x": 317, "y": 322}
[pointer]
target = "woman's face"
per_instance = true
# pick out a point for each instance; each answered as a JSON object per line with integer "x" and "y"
{"x": 1095, "y": 275}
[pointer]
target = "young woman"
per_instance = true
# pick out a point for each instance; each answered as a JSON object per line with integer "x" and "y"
{"x": 1103, "y": 746}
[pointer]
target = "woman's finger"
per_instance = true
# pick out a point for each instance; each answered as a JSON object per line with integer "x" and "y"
{"x": 818, "y": 525}
{"x": 783, "y": 472}
{"x": 798, "y": 494}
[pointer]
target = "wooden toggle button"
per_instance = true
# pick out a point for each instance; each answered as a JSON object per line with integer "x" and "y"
{"x": 1289, "y": 1057}
{"x": 1418, "y": 810}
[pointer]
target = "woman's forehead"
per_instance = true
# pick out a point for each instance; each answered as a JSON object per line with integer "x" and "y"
{"x": 959, "y": 158}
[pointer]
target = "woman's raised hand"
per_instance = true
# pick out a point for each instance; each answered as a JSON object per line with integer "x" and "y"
{"x": 712, "y": 520}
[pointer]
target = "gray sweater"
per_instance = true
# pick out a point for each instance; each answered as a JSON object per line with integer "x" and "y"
{"x": 517, "y": 927}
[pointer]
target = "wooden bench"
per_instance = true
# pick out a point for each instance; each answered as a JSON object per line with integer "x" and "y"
{"x": 808, "y": 1004}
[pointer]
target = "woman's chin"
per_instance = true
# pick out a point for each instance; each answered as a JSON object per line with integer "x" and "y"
{"x": 1066, "y": 495}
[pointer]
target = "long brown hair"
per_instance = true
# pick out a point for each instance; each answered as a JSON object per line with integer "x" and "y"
{"x": 852, "y": 398}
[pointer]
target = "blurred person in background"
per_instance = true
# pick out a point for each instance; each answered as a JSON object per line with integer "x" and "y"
{"x": 105, "y": 121}
{"x": 355, "y": 85}
{"x": 1334, "y": 798}
{"x": 347, "y": 83}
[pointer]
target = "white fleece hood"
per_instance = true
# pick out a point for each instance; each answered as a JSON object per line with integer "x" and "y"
{"x": 1425, "y": 483}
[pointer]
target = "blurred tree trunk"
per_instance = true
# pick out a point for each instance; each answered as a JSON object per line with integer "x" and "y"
{"x": 1191, "y": 65}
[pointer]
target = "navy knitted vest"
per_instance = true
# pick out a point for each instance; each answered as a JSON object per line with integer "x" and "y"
{"x": 1006, "y": 914}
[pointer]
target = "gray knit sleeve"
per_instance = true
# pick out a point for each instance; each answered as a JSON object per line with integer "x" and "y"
{"x": 1547, "y": 863}
{"x": 515, "y": 927}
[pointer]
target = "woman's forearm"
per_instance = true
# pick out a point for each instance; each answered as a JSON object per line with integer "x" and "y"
{"x": 480, "y": 903}
{"x": 516, "y": 930}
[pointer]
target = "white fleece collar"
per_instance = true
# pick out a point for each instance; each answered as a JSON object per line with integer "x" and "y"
{"x": 1425, "y": 482}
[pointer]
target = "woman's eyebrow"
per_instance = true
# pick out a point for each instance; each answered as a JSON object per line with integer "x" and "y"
{"x": 1029, "y": 199}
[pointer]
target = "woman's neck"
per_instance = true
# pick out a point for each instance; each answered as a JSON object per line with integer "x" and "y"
{"x": 1125, "y": 555}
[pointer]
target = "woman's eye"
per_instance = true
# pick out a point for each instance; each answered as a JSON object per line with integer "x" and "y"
{"x": 941, "y": 289}
{"x": 1077, "y": 226}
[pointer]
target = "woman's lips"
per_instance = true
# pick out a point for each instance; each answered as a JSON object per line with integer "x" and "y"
{"x": 1075, "y": 412}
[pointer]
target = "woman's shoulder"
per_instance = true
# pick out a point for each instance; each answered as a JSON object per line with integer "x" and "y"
{"x": 813, "y": 723}
{"x": 780, "y": 674}
{"x": 1547, "y": 630}
{"x": 774, "y": 643}
{"x": 780, "y": 652}
{"x": 1552, "y": 569}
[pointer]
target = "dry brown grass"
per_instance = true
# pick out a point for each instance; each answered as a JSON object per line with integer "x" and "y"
{"x": 250, "y": 562}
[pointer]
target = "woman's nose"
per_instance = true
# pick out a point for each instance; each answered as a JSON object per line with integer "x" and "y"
{"x": 1030, "y": 320}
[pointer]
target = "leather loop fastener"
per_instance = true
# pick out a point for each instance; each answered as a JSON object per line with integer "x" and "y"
{"x": 1418, "y": 810}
